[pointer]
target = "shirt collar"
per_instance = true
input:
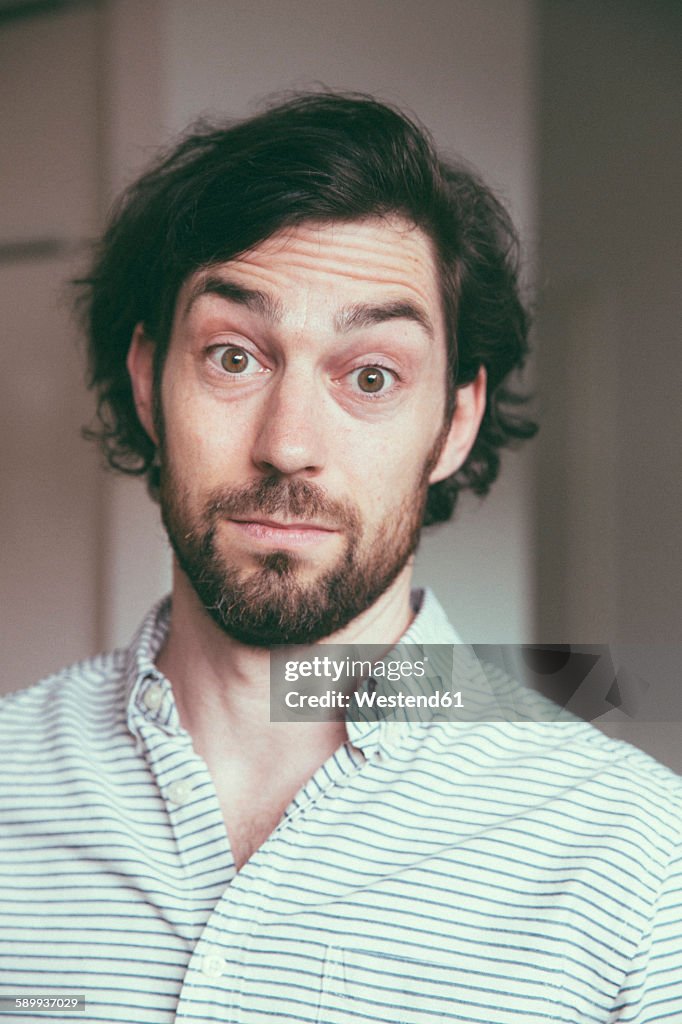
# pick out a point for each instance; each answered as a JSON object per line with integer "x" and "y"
{"x": 430, "y": 625}
{"x": 149, "y": 697}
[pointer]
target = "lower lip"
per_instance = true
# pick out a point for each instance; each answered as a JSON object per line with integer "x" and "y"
{"x": 282, "y": 536}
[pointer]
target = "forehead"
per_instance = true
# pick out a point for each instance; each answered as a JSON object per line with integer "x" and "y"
{"x": 330, "y": 264}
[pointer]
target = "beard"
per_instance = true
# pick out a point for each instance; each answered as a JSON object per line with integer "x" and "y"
{"x": 270, "y": 604}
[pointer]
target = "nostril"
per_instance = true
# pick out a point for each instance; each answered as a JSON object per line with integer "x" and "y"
{"x": 276, "y": 470}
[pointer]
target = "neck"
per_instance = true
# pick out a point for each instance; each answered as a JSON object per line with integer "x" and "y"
{"x": 222, "y": 687}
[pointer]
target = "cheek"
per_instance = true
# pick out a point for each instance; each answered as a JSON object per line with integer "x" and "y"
{"x": 384, "y": 474}
{"x": 205, "y": 449}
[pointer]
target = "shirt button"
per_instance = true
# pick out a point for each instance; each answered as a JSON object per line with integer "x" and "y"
{"x": 153, "y": 697}
{"x": 179, "y": 792}
{"x": 213, "y": 964}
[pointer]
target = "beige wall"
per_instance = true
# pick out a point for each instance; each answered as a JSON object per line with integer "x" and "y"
{"x": 50, "y": 511}
{"x": 610, "y": 360}
{"x": 609, "y": 534}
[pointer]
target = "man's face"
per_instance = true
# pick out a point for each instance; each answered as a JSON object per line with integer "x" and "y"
{"x": 302, "y": 399}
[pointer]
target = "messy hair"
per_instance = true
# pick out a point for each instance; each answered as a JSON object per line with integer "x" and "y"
{"x": 318, "y": 157}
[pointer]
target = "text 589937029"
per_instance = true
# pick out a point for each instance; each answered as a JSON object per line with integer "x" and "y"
{"x": 14, "y": 1003}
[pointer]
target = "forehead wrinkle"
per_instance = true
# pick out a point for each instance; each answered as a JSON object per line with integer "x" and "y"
{"x": 398, "y": 252}
{"x": 383, "y": 264}
{"x": 308, "y": 259}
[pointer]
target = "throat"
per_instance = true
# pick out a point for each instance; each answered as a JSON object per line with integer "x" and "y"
{"x": 254, "y": 792}
{"x": 248, "y": 829}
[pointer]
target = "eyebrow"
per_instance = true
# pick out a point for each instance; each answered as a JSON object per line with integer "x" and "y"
{"x": 350, "y": 318}
{"x": 253, "y": 299}
{"x": 367, "y": 314}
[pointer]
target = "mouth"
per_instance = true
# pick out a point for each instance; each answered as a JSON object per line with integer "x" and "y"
{"x": 282, "y": 533}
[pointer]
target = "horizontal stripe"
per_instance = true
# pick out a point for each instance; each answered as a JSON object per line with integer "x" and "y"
{"x": 478, "y": 872}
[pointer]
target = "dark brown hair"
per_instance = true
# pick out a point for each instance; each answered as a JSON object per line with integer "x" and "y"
{"x": 317, "y": 157}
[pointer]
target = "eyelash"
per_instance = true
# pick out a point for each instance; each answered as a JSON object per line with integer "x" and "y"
{"x": 213, "y": 354}
{"x": 378, "y": 395}
{"x": 217, "y": 349}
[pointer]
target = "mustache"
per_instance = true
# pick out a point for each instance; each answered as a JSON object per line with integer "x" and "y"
{"x": 293, "y": 499}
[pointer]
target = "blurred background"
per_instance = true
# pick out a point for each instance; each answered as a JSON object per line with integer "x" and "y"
{"x": 569, "y": 108}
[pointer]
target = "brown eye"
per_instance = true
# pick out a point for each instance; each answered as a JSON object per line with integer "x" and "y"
{"x": 371, "y": 379}
{"x": 234, "y": 360}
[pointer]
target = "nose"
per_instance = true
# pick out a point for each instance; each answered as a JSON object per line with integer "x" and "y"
{"x": 290, "y": 439}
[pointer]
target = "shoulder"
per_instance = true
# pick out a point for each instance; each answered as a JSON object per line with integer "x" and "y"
{"x": 63, "y": 741}
{"x": 536, "y": 736}
{"x": 66, "y": 702}
{"x": 573, "y": 749}
{"x": 560, "y": 772}
{"x": 561, "y": 800}
{"x": 594, "y": 759}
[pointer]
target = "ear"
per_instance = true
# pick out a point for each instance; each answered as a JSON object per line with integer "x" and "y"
{"x": 140, "y": 363}
{"x": 466, "y": 420}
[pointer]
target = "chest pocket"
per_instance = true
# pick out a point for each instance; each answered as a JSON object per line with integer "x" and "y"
{"x": 363, "y": 986}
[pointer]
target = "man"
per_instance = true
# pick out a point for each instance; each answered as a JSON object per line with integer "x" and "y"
{"x": 301, "y": 330}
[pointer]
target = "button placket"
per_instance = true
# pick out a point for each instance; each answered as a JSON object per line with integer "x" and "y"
{"x": 238, "y": 920}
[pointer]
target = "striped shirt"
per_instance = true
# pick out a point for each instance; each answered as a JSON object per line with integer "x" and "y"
{"x": 487, "y": 872}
